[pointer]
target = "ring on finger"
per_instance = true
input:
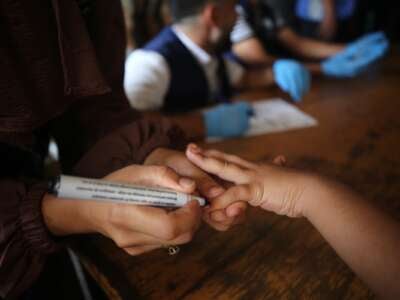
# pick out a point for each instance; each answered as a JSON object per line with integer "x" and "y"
{"x": 172, "y": 250}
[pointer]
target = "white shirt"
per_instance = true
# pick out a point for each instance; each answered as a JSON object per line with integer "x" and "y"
{"x": 148, "y": 76}
{"x": 242, "y": 29}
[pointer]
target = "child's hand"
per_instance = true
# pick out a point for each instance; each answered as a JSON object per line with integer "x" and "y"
{"x": 221, "y": 220}
{"x": 268, "y": 186}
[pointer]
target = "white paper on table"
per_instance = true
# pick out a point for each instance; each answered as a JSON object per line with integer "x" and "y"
{"x": 276, "y": 115}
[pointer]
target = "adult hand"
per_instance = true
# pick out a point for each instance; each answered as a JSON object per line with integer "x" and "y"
{"x": 368, "y": 48}
{"x": 206, "y": 186}
{"x": 135, "y": 229}
{"x": 292, "y": 77}
{"x": 357, "y": 56}
{"x": 268, "y": 186}
{"x": 375, "y": 38}
{"x": 228, "y": 120}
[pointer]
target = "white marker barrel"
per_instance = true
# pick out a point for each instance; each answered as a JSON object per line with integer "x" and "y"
{"x": 102, "y": 190}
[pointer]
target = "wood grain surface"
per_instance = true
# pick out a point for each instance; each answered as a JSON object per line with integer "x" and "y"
{"x": 273, "y": 257}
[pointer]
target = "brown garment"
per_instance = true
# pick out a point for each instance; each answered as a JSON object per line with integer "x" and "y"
{"x": 60, "y": 75}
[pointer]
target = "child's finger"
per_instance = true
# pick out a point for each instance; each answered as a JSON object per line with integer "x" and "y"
{"x": 234, "y": 194}
{"x": 221, "y": 168}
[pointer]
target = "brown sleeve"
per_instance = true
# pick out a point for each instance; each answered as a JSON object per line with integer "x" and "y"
{"x": 86, "y": 122}
{"x": 114, "y": 134}
{"x": 128, "y": 134}
{"x": 24, "y": 239}
{"x": 130, "y": 144}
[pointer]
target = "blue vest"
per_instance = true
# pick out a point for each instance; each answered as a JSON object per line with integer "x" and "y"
{"x": 188, "y": 87}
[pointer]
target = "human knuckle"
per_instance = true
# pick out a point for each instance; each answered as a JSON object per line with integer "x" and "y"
{"x": 120, "y": 240}
{"x": 256, "y": 191}
{"x": 163, "y": 171}
{"x": 211, "y": 152}
{"x": 133, "y": 251}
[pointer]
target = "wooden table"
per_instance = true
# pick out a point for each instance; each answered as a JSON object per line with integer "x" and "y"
{"x": 273, "y": 257}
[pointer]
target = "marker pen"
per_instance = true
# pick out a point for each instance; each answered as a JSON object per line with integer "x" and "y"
{"x": 103, "y": 190}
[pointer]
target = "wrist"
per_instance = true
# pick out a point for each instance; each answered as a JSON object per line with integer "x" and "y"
{"x": 66, "y": 217}
{"x": 314, "y": 194}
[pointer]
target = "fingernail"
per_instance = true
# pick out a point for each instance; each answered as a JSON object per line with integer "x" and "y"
{"x": 194, "y": 148}
{"x": 186, "y": 182}
{"x": 234, "y": 213}
{"x": 281, "y": 160}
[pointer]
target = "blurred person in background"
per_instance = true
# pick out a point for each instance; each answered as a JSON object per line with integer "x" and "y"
{"x": 183, "y": 70}
{"x": 329, "y": 20}
{"x": 264, "y": 33}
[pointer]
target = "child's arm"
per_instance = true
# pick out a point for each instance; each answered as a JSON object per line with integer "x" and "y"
{"x": 366, "y": 239}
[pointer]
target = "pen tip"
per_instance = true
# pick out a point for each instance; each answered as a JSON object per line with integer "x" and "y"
{"x": 201, "y": 201}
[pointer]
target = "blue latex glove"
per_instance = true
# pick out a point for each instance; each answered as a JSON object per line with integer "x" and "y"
{"x": 367, "y": 48}
{"x": 374, "y": 38}
{"x": 228, "y": 120}
{"x": 357, "y": 56}
{"x": 292, "y": 77}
